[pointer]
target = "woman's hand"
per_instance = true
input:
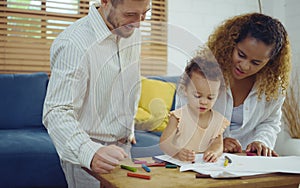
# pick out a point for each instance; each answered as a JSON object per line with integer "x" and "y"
{"x": 186, "y": 155}
{"x": 260, "y": 149}
{"x": 231, "y": 145}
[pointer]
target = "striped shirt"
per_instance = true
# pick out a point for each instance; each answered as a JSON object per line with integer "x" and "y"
{"x": 93, "y": 90}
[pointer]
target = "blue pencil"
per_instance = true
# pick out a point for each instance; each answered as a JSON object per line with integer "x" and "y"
{"x": 146, "y": 168}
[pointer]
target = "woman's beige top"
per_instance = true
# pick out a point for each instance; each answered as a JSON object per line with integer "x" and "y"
{"x": 191, "y": 136}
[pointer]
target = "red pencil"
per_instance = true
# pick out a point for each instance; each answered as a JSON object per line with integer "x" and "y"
{"x": 135, "y": 175}
{"x": 155, "y": 164}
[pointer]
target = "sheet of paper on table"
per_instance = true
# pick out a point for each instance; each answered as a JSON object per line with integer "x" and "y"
{"x": 240, "y": 166}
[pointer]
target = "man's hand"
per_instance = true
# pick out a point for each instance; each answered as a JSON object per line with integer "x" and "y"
{"x": 231, "y": 145}
{"x": 107, "y": 158}
{"x": 260, "y": 149}
{"x": 132, "y": 139}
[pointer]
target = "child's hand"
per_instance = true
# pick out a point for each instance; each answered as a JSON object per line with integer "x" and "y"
{"x": 210, "y": 156}
{"x": 186, "y": 155}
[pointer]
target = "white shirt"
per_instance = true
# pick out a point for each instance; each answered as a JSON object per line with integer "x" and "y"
{"x": 261, "y": 119}
{"x": 93, "y": 90}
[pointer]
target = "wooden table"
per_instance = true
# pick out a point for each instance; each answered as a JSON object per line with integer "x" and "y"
{"x": 165, "y": 177}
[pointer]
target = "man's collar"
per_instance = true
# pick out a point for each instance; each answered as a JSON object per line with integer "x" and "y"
{"x": 98, "y": 24}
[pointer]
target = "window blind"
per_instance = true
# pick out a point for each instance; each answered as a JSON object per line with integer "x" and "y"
{"x": 154, "y": 59}
{"x": 28, "y": 28}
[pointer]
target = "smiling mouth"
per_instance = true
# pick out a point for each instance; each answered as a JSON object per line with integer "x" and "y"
{"x": 129, "y": 27}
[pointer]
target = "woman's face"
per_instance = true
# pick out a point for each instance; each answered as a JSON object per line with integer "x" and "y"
{"x": 249, "y": 56}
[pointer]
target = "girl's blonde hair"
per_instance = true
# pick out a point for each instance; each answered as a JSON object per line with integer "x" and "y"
{"x": 273, "y": 78}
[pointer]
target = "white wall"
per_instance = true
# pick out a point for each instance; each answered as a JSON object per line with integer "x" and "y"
{"x": 293, "y": 26}
{"x": 191, "y": 22}
{"x": 288, "y": 12}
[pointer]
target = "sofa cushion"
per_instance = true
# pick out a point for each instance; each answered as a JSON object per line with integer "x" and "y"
{"x": 22, "y": 98}
{"x": 172, "y": 79}
{"x": 154, "y": 105}
{"x": 147, "y": 145}
{"x": 28, "y": 159}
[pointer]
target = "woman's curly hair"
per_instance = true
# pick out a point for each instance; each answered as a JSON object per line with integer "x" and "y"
{"x": 273, "y": 78}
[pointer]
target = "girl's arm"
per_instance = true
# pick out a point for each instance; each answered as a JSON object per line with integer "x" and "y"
{"x": 167, "y": 146}
{"x": 165, "y": 143}
{"x": 214, "y": 151}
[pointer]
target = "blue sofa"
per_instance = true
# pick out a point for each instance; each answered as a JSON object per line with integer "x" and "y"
{"x": 27, "y": 155}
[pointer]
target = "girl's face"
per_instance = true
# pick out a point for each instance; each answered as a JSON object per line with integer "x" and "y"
{"x": 201, "y": 93}
{"x": 249, "y": 56}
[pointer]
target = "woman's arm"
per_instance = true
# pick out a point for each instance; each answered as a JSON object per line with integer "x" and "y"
{"x": 265, "y": 133}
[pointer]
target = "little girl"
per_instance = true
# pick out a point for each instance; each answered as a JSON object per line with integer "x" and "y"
{"x": 195, "y": 127}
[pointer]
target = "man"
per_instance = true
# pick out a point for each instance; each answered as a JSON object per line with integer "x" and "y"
{"x": 94, "y": 89}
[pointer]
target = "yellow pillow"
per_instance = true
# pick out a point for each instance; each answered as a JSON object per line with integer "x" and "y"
{"x": 154, "y": 105}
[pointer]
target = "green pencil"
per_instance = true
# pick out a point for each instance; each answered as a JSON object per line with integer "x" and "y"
{"x": 132, "y": 169}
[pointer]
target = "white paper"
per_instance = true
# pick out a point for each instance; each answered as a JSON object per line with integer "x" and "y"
{"x": 240, "y": 166}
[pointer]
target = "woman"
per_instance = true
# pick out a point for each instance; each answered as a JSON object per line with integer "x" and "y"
{"x": 253, "y": 51}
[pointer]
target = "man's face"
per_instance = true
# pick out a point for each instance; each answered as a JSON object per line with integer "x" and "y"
{"x": 125, "y": 17}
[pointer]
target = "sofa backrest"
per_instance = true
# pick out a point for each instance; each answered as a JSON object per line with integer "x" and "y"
{"x": 173, "y": 79}
{"x": 22, "y": 99}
